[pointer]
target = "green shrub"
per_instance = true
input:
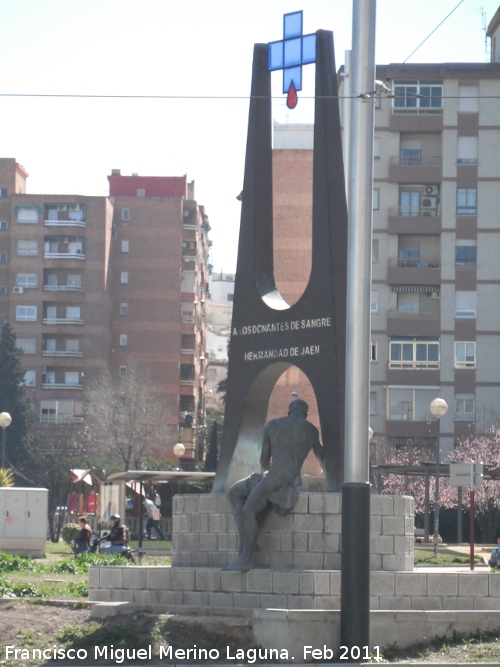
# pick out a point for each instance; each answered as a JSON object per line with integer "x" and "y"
{"x": 70, "y": 531}
{"x": 10, "y": 563}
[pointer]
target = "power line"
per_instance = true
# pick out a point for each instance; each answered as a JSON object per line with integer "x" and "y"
{"x": 225, "y": 97}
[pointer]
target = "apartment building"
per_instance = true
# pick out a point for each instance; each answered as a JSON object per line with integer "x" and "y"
{"x": 90, "y": 283}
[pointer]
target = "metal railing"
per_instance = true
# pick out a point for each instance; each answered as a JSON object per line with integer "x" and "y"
{"x": 413, "y": 263}
{"x": 63, "y": 255}
{"x": 62, "y": 320}
{"x": 62, "y": 353}
{"x": 411, "y": 312}
{"x": 61, "y": 385}
{"x": 64, "y": 223}
{"x": 63, "y": 288}
{"x": 416, "y": 161}
{"x": 415, "y": 211}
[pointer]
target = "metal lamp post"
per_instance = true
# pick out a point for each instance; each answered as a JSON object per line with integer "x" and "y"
{"x": 5, "y": 421}
{"x": 439, "y": 408}
{"x": 179, "y": 450}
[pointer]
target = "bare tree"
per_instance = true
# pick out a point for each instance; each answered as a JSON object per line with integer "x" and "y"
{"x": 127, "y": 417}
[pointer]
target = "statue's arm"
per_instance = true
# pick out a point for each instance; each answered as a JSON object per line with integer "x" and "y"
{"x": 318, "y": 450}
{"x": 265, "y": 456}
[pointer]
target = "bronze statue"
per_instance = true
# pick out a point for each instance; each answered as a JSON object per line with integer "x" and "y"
{"x": 287, "y": 442}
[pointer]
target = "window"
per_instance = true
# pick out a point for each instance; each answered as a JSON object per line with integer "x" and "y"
{"x": 465, "y": 354}
{"x": 410, "y": 403}
{"x": 124, "y": 309}
{"x": 4, "y": 192}
{"x": 125, "y": 214}
{"x": 124, "y": 277}
{"x": 410, "y": 152}
{"x": 230, "y": 297}
{"x": 3, "y": 320}
{"x": 51, "y": 280}
{"x": 374, "y": 302}
{"x": 417, "y": 352}
{"x": 71, "y": 377}
{"x": 465, "y": 407}
{"x": 72, "y": 345}
{"x": 373, "y": 351}
{"x": 125, "y": 246}
{"x": 465, "y": 253}
{"x": 27, "y": 345}
{"x": 373, "y": 402}
{"x": 26, "y": 280}
{"x": 26, "y": 313}
{"x": 30, "y": 378}
{"x": 50, "y": 377}
{"x": 50, "y": 344}
{"x": 3, "y": 256}
{"x": 72, "y": 312}
{"x": 466, "y": 201}
{"x": 4, "y": 224}
{"x": 417, "y": 96}
{"x": 409, "y": 203}
{"x": 123, "y": 340}
{"x": 376, "y": 148}
{"x": 408, "y": 302}
{"x": 375, "y": 199}
{"x": 51, "y": 312}
{"x": 27, "y": 247}
{"x": 468, "y": 99}
{"x": 73, "y": 280}
{"x": 467, "y": 150}
{"x": 375, "y": 251}
{"x": 123, "y": 371}
{"x": 465, "y": 304}
{"x": 3, "y": 289}
{"x": 28, "y": 215}
{"x": 141, "y": 192}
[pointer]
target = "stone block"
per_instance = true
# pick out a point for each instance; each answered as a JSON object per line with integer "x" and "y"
{"x": 94, "y": 577}
{"x": 332, "y": 543}
{"x": 208, "y": 503}
{"x": 493, "y": 585}
{"x": 308, "y": 523}
{"x": 316, "y": 503}
{"x": 182, "y": 579}
{"x": 299, "y": 542}
{"x": 259, "y": 581}
{"x": 409, "y": 563}
{"x": 218, "y": 599}
{"x": 299, "y": 601}
{"x": 173, "y": 598}
{"x": 334, "y": 583}
{"x": 195, "y": 598}
{"x": 382, "y": 583}
{"x": 208, "y": 541}
{"x": 396, "y": 602}
{"x": 273, "y": 601}
{"x": 316, "y": 542}
{"x": 302, "y": 504}
{"x": 122, "y": 595}
{"x": 381, "y": 544}
{"x": 192, "y": 503}
{"x": 268, "y": 542}
{"x": 146, "y": 597}
{"x": 326, "y": 602}
{"x": 217, "y": 523}
{"x": 308, "y": 561}
{"x": 410, "y": 526}
{"x": 394, "y": 563}
{"x": 200, "y": 558}
{"x": 100, "y": 595}
{"x": 207, "y": 579}
{"x": 375, "y": 562}
{"x": 333, "y": 503}
{"x": 376, "y": 524}
{"x": 199, "y": 522}
{"x": 184, "y": 558}
{"x": 285, "y": 582}
{"x": 183, "y": 523}
{"x": 400, "y": 544}
{"x": 402, "y": 505}
{"x": 333, "y": 523}
{"x": 286, "y": 542}
{"x": 412, "y": 583}
{"x": 374, "y": 603}
{"x": 223, "y": 503}
{"x": 332, "y": 561}
{"x": 280, "y": 524}
{"x": 306, "y": 583}
{"x": 261, "y": 559}
{"x": 135, "y": 577}
{"x": 111, "y": 577}
{"x": 247, "y": 600}
{"x": 281, "y": 560}
{"x": 226, "y": 541}
{"x": 233, "y": 581}
{"x": 458, "y": 603}
{"x": 426, "y": 603}
{"x": 393, "y": 525}
{"x": 191, "y": 541}
{"x": 442, "y": 584}
{"x": 321, "y": 583}
{"x": 486, "y": 603}
{"x": 219, "y": 558}
{"x": 178, "y": 504}
{"x": 382, "y": 505}
{"x": 158, "y": 577}
{"x": 473, "y": 584}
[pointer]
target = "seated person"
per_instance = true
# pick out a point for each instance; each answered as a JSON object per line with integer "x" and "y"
{"x": 117, "y": 536}
{"x": 81, "y": 542}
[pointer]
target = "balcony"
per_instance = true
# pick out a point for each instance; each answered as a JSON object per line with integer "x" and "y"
{"x": 188, "y": 352}
{"x": 61, "y": 385}
{"x": 60, "y": 419}
{"x": 421, "y": 271}
{"x": 64, "y": 215}
{"x": 62, "y": 288}
{"x": 188, "y": 383}
{"x": 188, "y": 319}
{"x": 414, "y": 321}
{"x": 63, "y": 255}
{"x": 62, "y": 353}
{"x": 64, "y": 223}
{"x": 62, "y": 320}
{"x": 414, "y": 220}
{"x": 415, "y": 169}
{"x": 27, "y": 252}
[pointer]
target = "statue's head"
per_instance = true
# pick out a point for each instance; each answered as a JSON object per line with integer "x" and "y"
{"x": 298, "y": 407}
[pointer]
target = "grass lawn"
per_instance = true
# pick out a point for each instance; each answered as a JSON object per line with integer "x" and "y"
{"x": 424, "y": 558}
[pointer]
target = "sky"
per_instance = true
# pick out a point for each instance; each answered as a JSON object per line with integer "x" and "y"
{"x": 186, "y": 49}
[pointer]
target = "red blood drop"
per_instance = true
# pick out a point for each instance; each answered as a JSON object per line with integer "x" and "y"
{"x": 292, "y": 97}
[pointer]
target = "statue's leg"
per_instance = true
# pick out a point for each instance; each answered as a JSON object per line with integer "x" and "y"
{"x": 237, "y": 497}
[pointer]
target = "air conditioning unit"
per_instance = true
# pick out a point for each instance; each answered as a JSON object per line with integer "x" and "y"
{"x": 429, "y": 202}
{"x": 431, "y": 213}
{"x": 62, "y": 207}
{"x": 431, "y": 190}
{"x": 185, "y": 214}
{"x": 434, "y": 295}
{"x": 74, "y": 207}
{"x": 188, "y": 245}
{"x": 61, "y": 239}
{"x": 18, "y": 290}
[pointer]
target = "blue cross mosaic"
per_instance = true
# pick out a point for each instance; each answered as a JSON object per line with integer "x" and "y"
{"x": 292, "y": 52}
